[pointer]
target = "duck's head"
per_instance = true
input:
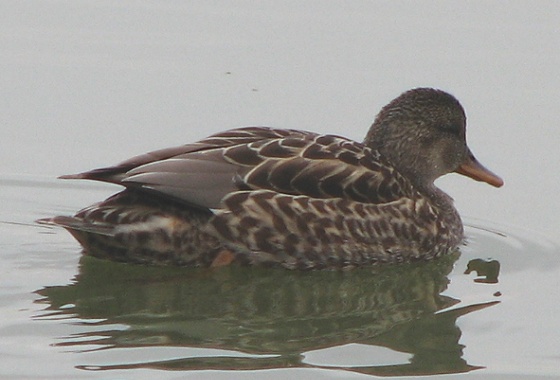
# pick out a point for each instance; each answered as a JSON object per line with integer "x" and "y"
{"x": 422, "y": 134}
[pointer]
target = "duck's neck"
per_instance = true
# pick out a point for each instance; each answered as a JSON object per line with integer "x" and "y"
{"x": 437, "y": 197}
{"x": 449, "y": 223}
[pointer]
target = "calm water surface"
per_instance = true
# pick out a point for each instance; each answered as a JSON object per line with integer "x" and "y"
{"x": 483, "y": 312}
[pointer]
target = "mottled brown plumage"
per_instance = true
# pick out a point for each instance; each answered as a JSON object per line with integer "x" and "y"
{"x": 292, "y": 198}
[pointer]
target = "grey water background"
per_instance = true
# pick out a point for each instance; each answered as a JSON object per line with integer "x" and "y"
{"x": 88, "y": 84}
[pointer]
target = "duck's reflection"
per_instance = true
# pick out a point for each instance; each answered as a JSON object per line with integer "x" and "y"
{"x": 268, "y": 311}
{"x": 486, "y": 270}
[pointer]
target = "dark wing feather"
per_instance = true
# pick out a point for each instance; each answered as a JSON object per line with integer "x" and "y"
{"x": 285, "y": 161}
{"x": 234, "y": 137}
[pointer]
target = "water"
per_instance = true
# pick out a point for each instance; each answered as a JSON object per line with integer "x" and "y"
{"x": 67, "y": 316}
{"x": 88, "y": 84}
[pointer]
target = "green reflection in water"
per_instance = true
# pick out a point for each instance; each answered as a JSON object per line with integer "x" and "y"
{"x": 259, "y": 311}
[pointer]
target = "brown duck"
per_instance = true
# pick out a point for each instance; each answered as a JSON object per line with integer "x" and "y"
{"x": 290, "y": 198}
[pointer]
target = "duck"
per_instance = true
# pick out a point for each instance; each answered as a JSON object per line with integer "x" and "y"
{"x": 290, "y": 198}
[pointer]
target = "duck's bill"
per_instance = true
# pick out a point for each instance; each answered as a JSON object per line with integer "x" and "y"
{"x": 475, "y": 170}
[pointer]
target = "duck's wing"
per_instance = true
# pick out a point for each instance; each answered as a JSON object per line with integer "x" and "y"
{"x": 234, "y": 137}
{"x": 285, "y": 161}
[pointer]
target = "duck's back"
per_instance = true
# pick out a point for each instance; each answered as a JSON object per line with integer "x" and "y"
{"x": 258, "y": 158}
